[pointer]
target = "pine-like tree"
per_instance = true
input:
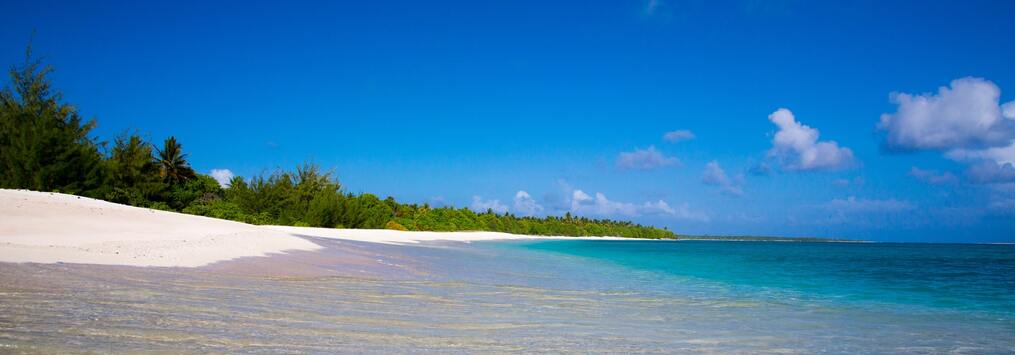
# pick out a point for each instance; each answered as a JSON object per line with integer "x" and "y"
{"x": 44, "y": 142}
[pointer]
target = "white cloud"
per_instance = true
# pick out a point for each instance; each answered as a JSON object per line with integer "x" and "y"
{"x": 796, "y": 146}
{"x": 480, "y": 205}
{"x": 1000, "y": 155}
{"x": 988, "y": 172}
{"x": 853, "y": 205}
{"x": 658, "y": 207}
{"x": 645, "y": 159}
{"x": 933, "y": 177}
{"x": 1008, "y": 110}
{"x": 715, "y": 175}
{"x": 222, "y": 176}
{"x": 966, "y": 115}
{"x": 558, "y": 200}
{"x": 525, "y": 205}
{"x": 678, "y": 136}
{"x": 966, "y": 121}
{"x": 683, "y": 211}
{"x": 584, "y": 204}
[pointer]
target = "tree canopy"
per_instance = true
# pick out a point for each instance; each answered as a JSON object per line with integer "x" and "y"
{"x": 44, "y": 142}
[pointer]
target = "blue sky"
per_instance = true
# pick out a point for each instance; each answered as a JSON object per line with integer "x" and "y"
{"x": 468, "y": 103}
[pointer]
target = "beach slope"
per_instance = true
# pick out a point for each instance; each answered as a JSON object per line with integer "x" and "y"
{"x": 48, "y": 227}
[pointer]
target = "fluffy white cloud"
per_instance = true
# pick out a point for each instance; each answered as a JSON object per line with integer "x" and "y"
{"x": 525, "y": 205}
{"x": 584, "y": 204}
{"x": 715, "y": 175}
{"x": 480, "y": 205}
{"x": 966, "y": 115}
{"x": 222, "y": 176}
{"x": 965, "y": 120}
{"x": 1000, "y": 155}
{"x": 933, "y": 177}
{"x": 678, "y": 136}
{"x": 645, "y": 159}
{"x": 1008, "y": 110}
{"x": 796, "y": 146}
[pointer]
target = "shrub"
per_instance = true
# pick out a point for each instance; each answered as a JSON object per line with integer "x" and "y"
{"x": 395, "y": 226}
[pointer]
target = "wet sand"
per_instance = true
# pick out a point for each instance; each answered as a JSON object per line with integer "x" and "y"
{"x": 349, "y": 296}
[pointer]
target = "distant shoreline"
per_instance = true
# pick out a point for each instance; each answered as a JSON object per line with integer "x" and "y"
{"x": 771, "y": 239}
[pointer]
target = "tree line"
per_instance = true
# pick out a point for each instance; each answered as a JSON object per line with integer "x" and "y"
{"x": 45, "y": 145}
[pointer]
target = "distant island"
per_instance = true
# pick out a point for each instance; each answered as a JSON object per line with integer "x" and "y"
{"x": 45, "y": 145}
{"x": 750, "y": 238}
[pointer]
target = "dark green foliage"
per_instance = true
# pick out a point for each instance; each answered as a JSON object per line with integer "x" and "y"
{"x": 44, "y": 143}
{"x": 134, "y": 175}
{"x": 226, "y": 210}
{"x": 175, "y": 168}
{"x": 365, "y": 211}
{"x": 201, "y": 188}
{"x": 424, "y": 218}
{"x": 325, "y": 210}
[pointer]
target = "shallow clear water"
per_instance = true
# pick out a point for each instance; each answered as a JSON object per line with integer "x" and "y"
{"x": 966, "y": 278}
{"x": 537, "y": 296}
{"x": 870, "y": 297}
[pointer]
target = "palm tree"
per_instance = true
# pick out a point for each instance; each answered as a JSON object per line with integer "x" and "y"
{"x": 175, "y": 168}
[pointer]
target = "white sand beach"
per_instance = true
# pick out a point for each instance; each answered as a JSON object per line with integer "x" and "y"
{"x": 47, "y": 227}
{"x": 44, "y": 227}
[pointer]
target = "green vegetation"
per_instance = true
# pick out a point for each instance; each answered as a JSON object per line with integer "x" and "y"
{"x": 45, "y": 146}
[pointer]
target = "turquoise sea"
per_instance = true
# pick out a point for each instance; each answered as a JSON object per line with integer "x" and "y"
{"x": 838, "y": 297}
{"x": 965, "y": 278}
{"x": 550, "y": 296}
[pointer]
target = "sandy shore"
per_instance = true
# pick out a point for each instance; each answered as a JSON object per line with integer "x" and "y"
{"x": 51, "y": 227}
{"x": 45, "y": 227}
